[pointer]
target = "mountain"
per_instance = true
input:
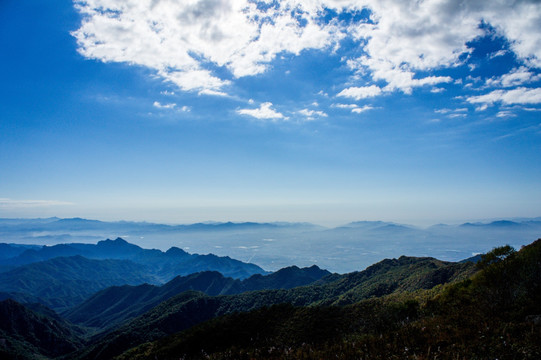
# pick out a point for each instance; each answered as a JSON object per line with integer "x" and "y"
{"x": 164, "y": 266}
{"x": 276, "y": 245}
{"x": 63, "y": 282}
{"x": 117, "y": 304}
{"x": 11, "y": 250}
{"x": 493, "y": 314}
{"x": 28, "y": 334}
{"x": 80, "y": 224}
{"x": 505, "y": 224}
{"x": 391, "y": 276}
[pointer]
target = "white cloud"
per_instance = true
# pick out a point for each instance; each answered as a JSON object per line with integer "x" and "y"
{"x": 345, "y": 106}
{"x": 508, "y": 97}
{"x": 212, "y": 92}
{"x": 358, "y": 93}
{"x": 312, "y": 113}
{"x": 446, "y": 111}
{"x": 505, "y": 114}
{"x": 456, "y": 115}
{"x": 443, "y": 111}
{"x": 10, "y": 203}
{"x": 164, "y": 106}
{"x": 178, "y": 38}
{"x": 354, "y": 107}
{"x": 498, "y": 53}
{"x": 403, "y": 42}
{"x": 264, "y": 112}
{"x": 515, "y": 77}
{"x": 482, "y": 107}
{"x": 407, "y": 37}
{"x": 362, "y": 109}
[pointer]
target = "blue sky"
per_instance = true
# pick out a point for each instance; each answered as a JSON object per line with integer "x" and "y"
{"x": 321, "y": 111}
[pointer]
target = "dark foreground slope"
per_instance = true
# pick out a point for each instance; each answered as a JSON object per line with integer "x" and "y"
{"x": 63, "y": 282}
{"x": 116, "y": 304}
{"x": 188, "y": 309}
{"x": 28, "y": 334}
{"x": 494, "y": 314}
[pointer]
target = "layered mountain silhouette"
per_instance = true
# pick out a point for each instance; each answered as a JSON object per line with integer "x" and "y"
{"x": 66, "y": 281}
{"x": 494, "y": 313}
{"x": 276, "y": 245}
{"x": 64, "y": 275}
{"x": 392, "y": 276}
{"x": 114, "y": 305}
{"x": 486, "y": 306}
{"x": 165, "y": 265}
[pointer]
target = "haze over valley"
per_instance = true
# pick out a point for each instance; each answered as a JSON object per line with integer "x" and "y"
{"x": 272, "y": 246}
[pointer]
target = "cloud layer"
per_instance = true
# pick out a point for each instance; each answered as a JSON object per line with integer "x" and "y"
{"x": 402, "y": 44}
{"x": 11, "y": 203}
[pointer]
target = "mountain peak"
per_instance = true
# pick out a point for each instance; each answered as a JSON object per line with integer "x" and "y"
{"x": 175, "y": 251}
{"x": 117, "y": 241}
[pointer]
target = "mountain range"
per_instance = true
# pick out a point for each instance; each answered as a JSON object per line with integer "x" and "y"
{"x": 111, "y": 306}
{"x": 187, "y": 309}
{"x": 272, "y": 246}
{"x": 407, "y": 307}
{"x": 64, "y": 275}
{"x": 165, "y": 265}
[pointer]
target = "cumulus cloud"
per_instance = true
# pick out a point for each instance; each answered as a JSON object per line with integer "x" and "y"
{"x": 354, "y": 107}
{"x": 312, "y": 113}
{"x": 402, "y": 42}
{"x": 178, "y": 38}
{"x": 264, "y": 112}
{"x": 516, "y": 77}
{"x": 358, "y": 93}
{"x": 164, "y": 106}
{"x": 519, "y": 95}
{"x": 362, "y": 109}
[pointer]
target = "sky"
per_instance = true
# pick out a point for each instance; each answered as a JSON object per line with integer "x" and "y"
{"x": 327, "y": 111}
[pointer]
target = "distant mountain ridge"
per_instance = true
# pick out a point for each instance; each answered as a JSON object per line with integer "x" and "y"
{"x": 274, "y": 245}
{"x": 164, "y": 265}
{"x": 64, "y": 275}
{"x": 77, "y": 223}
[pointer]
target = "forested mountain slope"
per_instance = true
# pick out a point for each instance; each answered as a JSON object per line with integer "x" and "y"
{"x": 191, "y": 308}
{"x": 27, "y": 334}
{"x": 494, "y": 314}
{"x": 116, "y": 304}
